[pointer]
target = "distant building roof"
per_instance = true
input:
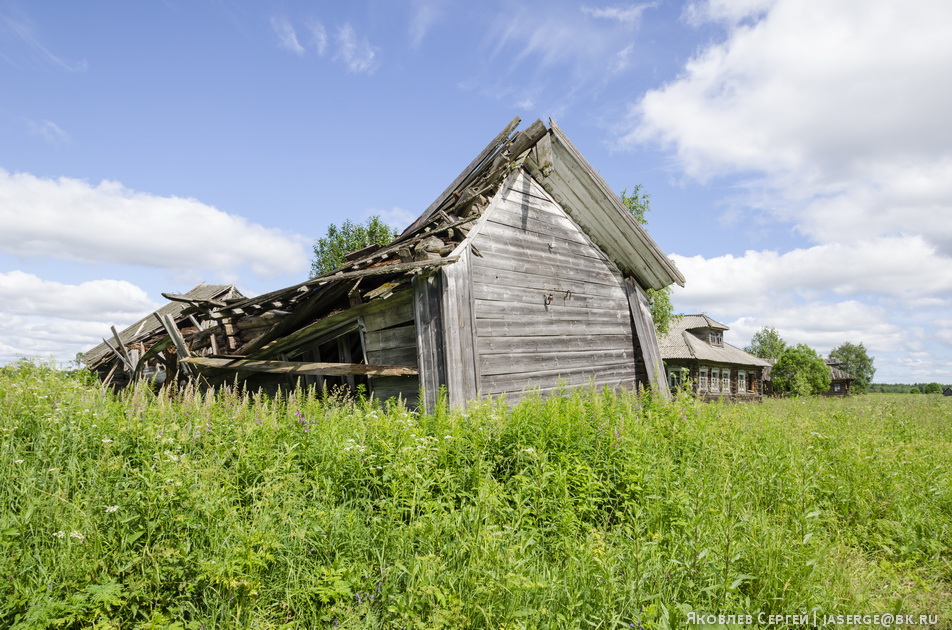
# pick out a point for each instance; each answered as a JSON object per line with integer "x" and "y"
{"x": 682, "y": 342}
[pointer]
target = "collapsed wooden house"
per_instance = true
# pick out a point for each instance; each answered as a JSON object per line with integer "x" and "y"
{"x": 527, "y": 272}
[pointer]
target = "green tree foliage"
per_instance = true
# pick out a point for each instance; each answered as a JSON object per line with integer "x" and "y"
{"x": 800, "y": 371}
{"x": 854, "y": 359}
{"x": 330, "y": 251}
{"x": 767, "y": 344}
{"x": 933, "y": 388}
{"x": 662, "y": 311}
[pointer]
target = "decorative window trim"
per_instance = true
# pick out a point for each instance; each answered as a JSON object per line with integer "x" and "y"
{"x": 715, "y": 385}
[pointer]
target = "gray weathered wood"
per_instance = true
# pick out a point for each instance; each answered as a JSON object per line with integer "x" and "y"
{"x": 406, "y": 355}
{"x": 396, "y": 337}
{"x": 399, "y": 311}
{"x": 553, "y": 343}
{"x": 524, "y": 295}
{"x": 526, "y": 362}
{"x": 512, "y": 328}
{"x": 495, "y": 272}
{"x": 430, "y": 359}
{"x": 301, "y": 368}
{"x": 545, "y": 314}
{"x": 647, "y": 338}
{"x": 457, "y": 320}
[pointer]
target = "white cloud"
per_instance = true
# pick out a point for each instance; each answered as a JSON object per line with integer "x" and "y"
{"x": 49, "y": 131}
{"x": 591, "y": 43}
{"x": 350, "y": 49}
{"x": 319, "y": 36}
{"x": 830, "y": 118}
{"x": 108, "y": 223}
{"x": 626, "y": 14}
{"x": 29, "y": 47}
{"x": 41, "y": 318}
{"x": 425, "y": 13}
{"x": 354, "y": 51}
{"x": 287, "y": 35}
{"x": 97, "y": 300}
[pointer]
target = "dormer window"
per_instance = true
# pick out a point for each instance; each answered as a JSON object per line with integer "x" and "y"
{"x": 716, "y": 338}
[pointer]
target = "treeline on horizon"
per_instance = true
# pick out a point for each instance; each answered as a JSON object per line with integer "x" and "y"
{"x": 906, "y": 388}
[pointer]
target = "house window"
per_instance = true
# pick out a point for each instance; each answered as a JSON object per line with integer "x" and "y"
{"x": 715, "y": 380}
{"x": 726, "y": 381}
{"x": 836, "y": 387}
{"x": 702, "y": 380}
{"x": 716, "y": 338}
{"x": 741, "y": 381}
{"x": 676, "y": 377}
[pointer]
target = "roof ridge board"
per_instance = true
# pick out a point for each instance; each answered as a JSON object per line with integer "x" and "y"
{"x": 600, "y": 184}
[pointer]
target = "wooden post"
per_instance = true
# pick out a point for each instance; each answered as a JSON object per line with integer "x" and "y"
{"x": 647, "y": 337}
{"x": 457, "y": 325}
{"x": 430, "y": 359}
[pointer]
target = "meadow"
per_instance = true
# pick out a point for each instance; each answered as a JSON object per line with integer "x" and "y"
{"x": 594, "y": 510}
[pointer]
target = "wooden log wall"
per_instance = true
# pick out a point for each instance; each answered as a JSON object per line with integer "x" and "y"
{"x": 549, "y": 306}
{"x": 390, "y": 338}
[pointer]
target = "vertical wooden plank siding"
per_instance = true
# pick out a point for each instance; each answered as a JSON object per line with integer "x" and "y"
{"x": 429, "y": 329}
{"x": 549, "y": 308}
{"x": 644, "y": 328}
{"x": 458, "y": 332}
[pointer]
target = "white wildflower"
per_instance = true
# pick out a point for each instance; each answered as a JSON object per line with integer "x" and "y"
{"x": 76, "y": 535}
{"x": 18, "y": 461}
{"x": 59, "y": 534}
{"x": 106, "y": 441}
{"x": 111, "y": 508}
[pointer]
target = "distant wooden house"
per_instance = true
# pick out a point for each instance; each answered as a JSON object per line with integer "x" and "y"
{"x": 841, "y": 382}
{"x": 526, "y": 273}
{"x": 947, "y": 391}
{"x": 694, "y": 351}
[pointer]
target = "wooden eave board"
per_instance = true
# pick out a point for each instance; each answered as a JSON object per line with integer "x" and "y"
{"x": 573, "y": 182}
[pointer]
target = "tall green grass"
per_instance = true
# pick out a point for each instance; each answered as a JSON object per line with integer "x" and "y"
{"x": 594, "y": 510}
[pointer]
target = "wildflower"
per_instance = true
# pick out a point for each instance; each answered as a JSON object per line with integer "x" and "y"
{"x": 106, "y": 441}
{"x": 76, "y": 535}
{"x": 59, "y": 534}
{"x": 18, "y": 461}
{"x": 111, "y": 508}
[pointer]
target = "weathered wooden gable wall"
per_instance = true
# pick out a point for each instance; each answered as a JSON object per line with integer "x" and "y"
{"x": 548, "y": 306}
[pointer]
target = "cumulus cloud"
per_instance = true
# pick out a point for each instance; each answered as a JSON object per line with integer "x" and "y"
{"x": 42, "y": 318}
{"x": 109, "y": 223}
{"x": 830, "y": 118}
{"x": 97, "y": 300}
{"x": 838, "y": 108}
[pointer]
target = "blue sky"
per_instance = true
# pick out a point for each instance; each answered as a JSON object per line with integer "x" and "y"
{"x": 798, "y": 153}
